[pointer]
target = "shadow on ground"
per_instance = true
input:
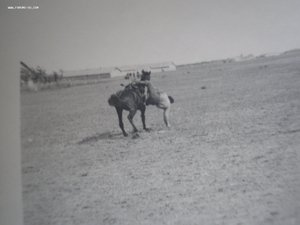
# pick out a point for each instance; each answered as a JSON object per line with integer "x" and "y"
{"x": 101, "y": 136}
{"x": 113, "y": 136}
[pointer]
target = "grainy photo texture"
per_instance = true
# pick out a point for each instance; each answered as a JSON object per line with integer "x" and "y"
{"x": 158, "y": 112}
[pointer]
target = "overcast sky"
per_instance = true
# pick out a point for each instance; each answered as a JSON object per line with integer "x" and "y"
{"x": 78, "y": 34}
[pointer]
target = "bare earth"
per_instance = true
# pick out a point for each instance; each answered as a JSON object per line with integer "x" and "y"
{"x": 230, "y": 157}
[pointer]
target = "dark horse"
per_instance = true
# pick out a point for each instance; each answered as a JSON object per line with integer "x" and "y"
{"x": 131, "y": 99}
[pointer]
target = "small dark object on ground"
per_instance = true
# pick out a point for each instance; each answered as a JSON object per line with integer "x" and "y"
{"x": 135, "y": 135}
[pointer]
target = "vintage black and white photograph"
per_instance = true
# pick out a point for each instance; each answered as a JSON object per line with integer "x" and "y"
{"x": 139, "y": 112}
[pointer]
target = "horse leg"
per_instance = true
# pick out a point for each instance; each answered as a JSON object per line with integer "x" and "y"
{"x": 166, "y": 116}
{"x": 143, "y": 109}
{"x": 119, "y": 111}
{"x": 130, "y": 118}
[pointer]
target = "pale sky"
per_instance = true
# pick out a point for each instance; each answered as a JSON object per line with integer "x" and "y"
{"x": 78, "y": 34}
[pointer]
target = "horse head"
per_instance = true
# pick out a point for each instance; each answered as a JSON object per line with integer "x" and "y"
{"x": 145, "y": 75}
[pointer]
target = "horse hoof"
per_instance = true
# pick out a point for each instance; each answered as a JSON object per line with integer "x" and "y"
{"x": 125, "y": 134}
{"x": 147, "y": 129}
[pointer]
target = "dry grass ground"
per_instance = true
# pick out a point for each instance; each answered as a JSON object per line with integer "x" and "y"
{"x": 231, "y": 156}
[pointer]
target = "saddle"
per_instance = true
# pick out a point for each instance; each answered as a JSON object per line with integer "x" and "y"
{"x": 135, "y": 87}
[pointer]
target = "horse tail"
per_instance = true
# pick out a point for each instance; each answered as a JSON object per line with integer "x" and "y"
{"x": 113, "y": 100}
{"x": 171, "y": 99}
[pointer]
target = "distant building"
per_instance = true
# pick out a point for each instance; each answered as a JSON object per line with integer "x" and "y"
{"x": 88, "y": 74}
{"x": 123, "y": 71}
{"x": 162, "y": 67}
{"x": 107, "y": 72}
{"x": 154, "y": 68}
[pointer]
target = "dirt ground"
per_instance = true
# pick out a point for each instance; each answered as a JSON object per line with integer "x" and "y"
{"x": 230, "y": 157}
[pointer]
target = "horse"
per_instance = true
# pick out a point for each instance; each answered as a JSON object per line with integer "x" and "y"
{"x": 131, "y": 98}
{"x": 155, "y": 97}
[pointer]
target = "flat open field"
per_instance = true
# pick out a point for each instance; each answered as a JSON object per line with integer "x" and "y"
{"x": 230, "y": 157}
